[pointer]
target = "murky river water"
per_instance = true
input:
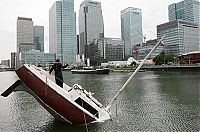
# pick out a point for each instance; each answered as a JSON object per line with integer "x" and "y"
{"x": 153, "y": 101}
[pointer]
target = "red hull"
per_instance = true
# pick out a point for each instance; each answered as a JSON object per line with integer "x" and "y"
{"x": 52, "y": 99}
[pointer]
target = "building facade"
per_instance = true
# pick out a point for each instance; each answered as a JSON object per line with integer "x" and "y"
{"x": 114, "y": 49}
{"x": 13, "y": 60}
{"x": 35, "y": 57}
{"x": 180, "y": 36}
{"x": 24, "y": 34}
{"x": 5, "y": 63}
{"x": 39, "y": 37}
{"x": 91, "y": 25}
{"x": 62, "y": 31}
{"x": 105, "y": 49}
{"x": 145, "y": 48}
{"x": 27, "y": 47}
{"x": 131, "y": 29}
{"x": 187, "y": 10}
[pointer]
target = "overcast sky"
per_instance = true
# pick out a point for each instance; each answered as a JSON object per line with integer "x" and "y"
{"x": 154, "y": 12}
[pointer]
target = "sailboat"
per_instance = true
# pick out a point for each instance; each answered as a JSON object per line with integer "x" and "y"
{"x": 72, "y": 104}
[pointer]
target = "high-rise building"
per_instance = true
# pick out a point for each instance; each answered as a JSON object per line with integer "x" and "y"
{"x": 188, "y": 10}
{"x": 13, "y": 60}
{"x": 62, "y": 31}
{"x": 24, "y": 34}
{"x": 180, "y": 36}
{"x": 39, "y": 37}
{"x": 91, "y": 25}
{"x": 131, "y": 29}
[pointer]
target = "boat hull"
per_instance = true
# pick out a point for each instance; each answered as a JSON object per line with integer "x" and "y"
{"x": 55, "y": 103}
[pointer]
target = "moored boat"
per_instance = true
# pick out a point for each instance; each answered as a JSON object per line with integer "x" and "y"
{"x": 91, "y": 71}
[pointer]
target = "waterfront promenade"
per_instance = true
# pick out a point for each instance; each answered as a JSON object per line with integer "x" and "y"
{"x": 171, "y": 68}
{"x": 6, "y": 69}
{"x": 193, "y": 67}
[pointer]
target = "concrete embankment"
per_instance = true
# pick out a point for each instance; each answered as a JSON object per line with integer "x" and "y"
{"x": 160, "y": 68}
{"x": 172, "y": 68}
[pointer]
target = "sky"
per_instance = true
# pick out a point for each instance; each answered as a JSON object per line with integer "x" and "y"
{"x": 154, "y": 12}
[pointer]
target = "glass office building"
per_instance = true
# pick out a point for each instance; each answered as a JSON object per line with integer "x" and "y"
{"x": 62, "y": 31}
{"x": 184, "y": 18}
{"x": 35, "y": 57}
{"x": 188, "y": 10}
{"x": 180, "y": 36}
{"x": 131, "y": 29}
{"x": 91, "y": 25}
{"x": 24, "y": 34}
{"x": 145, "y": 48}
{"x": 39, "y": 37}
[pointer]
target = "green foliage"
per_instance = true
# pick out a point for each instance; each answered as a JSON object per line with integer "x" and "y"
{"x": 182, "y": 62}
{"x": 164, "y": 58}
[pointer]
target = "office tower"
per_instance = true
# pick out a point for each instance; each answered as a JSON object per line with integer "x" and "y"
{"x": 39, "y": 37}
{"x": 24, "y": 34}
{"x": 13, "y": 60}
{"x": 131, "y": 29}
{"x": 91, "y": 25}
{"x": 188, "y": 10}
{"x": 106, "y": 49}
{"x": 62, "y": 31}
{"x": 77, "y": 44}
{"x": 180, "y": 36}
{"x": 114, "y": 49}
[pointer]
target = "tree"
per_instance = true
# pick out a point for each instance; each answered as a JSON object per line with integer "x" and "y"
{"x": 164, "y": 58}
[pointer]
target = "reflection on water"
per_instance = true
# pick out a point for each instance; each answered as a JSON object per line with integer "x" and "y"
{"x": 152, "y": 101}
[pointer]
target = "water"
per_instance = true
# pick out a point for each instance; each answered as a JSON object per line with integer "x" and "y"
{"x": 153, "y": 101}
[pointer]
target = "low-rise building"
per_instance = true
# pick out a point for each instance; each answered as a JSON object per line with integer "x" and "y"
{"x": 6, "y": 63}
{"x": 145, "y": 48}
{"x": 35, "y": 57}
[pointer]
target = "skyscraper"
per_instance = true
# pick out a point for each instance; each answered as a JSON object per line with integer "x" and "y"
{"x": 188, "y": 10}
{"x": 62, "y": 31}
{"x": 13, "y": 60}
{"x": 91, "y": 25}
{"x": 24, "y": 34}
{"x": 39, "y": 37}
{"x": 131, "y": 29}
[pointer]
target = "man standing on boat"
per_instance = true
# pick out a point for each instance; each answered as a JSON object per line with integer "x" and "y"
{"x": 57, "y": 67}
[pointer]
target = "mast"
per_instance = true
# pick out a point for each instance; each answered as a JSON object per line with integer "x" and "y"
{"x": 136, "y": 70}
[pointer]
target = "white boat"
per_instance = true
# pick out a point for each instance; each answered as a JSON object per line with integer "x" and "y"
{"x": 92, "y": 70}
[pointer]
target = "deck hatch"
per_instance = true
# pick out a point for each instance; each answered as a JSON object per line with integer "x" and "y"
{"x": 86, "y": 106}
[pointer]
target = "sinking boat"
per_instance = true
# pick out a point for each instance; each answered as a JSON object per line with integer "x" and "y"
{"x": 71, "y": 104}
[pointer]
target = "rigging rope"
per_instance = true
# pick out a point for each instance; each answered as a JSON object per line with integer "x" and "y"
{"x": 84, "y": 117}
